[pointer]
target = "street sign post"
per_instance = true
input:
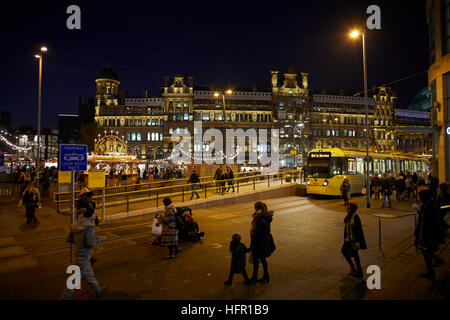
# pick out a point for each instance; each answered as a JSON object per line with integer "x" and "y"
{"x": 73, "y": 157}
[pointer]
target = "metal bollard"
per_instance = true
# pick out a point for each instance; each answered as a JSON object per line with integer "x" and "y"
{"x": 182, "y": 194}
{"x": 238, "y": 186}
{"x": 127, "y": 203}
{"x": 157, "y": 198}
{"x": 254, "y": 184}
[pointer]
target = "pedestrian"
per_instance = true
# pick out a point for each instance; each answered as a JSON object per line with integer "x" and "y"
{"x": 230, "y": 177}
{"x": 345, "y": 191}
{"x": 31, "y": 199}
{"x": 353, "y": 240}
{"x": 443, "y": 200}
{"x": 195, "y": 180}
{"x": 218, "y": 178}
{"x": 409, "y": 186}
{"x": 83, "y": 236}
{"x": 386, "y": 188}
{"x": 262, "y": 244}
{"x": 400, "y": 187}
{"x": 434, "y": 185}
{"x": 238, "y": 251}
{"x": 429, "y": 232}
{"x": 169, "y": 235}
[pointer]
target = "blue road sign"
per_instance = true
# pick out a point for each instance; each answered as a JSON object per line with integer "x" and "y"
{"x": 2, "y": 159}
{"x": 73, "y": 157}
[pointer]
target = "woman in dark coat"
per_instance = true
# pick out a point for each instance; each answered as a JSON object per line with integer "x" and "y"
{"x": 169, "y": 235}
{"x": 429, "y": 232}
{"x": 345, "y": 191}
{"x": 262, "y": 244}
{"x": 353, "y": 240}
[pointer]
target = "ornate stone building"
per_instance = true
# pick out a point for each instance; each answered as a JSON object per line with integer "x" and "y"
{"x": 305, "y": 120}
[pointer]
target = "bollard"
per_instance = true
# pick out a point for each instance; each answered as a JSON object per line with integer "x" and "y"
{"x": 157, "y": 198}
{"x": 205, "y": 190}
{"x": 127, "y": 203}
{"x": 103, "y": 205}
{"x": 281, "y": 178}
{"x": 182, "y": 193}
{"x": 238, "y": 186}
{"x": 268, "y": 181}
{"x": 254, "y": 184}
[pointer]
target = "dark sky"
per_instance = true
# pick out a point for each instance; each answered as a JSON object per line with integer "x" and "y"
{"x": 222, "y": 43}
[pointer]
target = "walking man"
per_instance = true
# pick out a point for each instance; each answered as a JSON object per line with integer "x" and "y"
{"x": 194, "y": 179}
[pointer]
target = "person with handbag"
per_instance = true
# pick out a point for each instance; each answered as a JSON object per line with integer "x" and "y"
{"x": 262, "y": 244}
{"x": 31, "y": 199}
{"x": 169, "y": 235}
{"x": 353, "y": 240}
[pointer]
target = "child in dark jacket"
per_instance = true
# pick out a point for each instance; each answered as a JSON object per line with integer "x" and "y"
{"x": 238, "y": 251}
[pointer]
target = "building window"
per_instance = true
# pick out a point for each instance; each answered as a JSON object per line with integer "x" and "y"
{"x": 178, "y": 104}
{"x": 171, "y": 104}
{"x": 128, "y": 136}
{"x": 133, "y": 136}
{"x": 447, "y": 94}
{"x": 186, "y": 115}
{"x": 186, "y": 104}
{"x": 170, "y": 130}
{"x": 205, "y": 116}
{"x": 178, "y": 116}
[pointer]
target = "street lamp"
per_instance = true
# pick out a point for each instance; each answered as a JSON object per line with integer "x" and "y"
{"x": 355, "y": 34}
{"x": 39, "y": 56}
{"x": 217, "y": 94}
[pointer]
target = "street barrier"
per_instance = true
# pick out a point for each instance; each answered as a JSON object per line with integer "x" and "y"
{"x": 155, "y": 194}
{"x": 390, "y": 216}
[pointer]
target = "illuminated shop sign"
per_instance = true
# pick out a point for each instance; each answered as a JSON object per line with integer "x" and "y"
{"x": 448, "y": 130}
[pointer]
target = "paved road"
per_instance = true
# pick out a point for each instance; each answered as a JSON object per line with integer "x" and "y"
{"x": 306, "y": 265}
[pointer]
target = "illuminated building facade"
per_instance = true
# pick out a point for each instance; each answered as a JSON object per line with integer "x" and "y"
{"x": 438, "y": 19}
{"x": 305, "y": 120}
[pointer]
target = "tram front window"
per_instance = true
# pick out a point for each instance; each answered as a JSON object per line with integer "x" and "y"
{"x": 319, "y": 164}
{"x": 318, "y": 172}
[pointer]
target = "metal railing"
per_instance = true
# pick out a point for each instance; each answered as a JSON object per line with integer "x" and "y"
{"x": 391, "y": 216}
{"x": 156, "y": 194}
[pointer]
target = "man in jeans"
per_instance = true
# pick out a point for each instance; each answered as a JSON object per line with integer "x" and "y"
{"x": 194, "y": 179}
{"x": 83, "y": 236}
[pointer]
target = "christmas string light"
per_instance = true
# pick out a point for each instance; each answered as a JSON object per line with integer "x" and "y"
{"x": 12, "y": 145}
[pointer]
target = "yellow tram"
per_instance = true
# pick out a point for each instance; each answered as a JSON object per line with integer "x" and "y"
{"x": 327, "y": 168}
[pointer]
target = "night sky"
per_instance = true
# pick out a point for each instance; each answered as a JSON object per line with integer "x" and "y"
{"x": 218, "y": 43}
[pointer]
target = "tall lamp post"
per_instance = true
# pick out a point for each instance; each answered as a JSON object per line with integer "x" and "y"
{"x": 217, "y": 94}
{"x": 355, "y": 34}
{"x": 39, "y": 56}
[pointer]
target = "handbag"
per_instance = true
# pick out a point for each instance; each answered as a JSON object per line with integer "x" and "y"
{"x": 20, "y": 204}
{"x": 272, "y": 244}
{"x": 156, "y": 228}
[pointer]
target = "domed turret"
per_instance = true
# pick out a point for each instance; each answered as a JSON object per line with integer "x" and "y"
{"x": 107, "y": 87}
{"x": 107, "y": 73}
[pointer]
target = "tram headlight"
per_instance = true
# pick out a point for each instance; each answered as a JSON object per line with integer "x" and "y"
{"x": 325, "y": 183}
{"x": 308, "y": 182}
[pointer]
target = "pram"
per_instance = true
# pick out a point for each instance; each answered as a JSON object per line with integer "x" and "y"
{"x": 187, "y": 227}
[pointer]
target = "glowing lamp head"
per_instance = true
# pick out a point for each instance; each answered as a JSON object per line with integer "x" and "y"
{"x": 229, "y": 91}
{"x": 216, "y": 94}
{"x": 44, "y": 49}
{"x": 37, "y": 56}
{"x": 355, "y": 34}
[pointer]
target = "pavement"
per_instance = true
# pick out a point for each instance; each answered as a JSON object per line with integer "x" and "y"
{"x": 307, "y": 263}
